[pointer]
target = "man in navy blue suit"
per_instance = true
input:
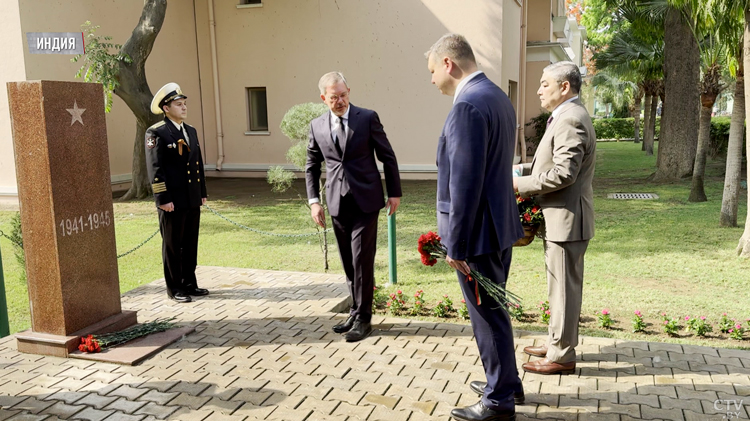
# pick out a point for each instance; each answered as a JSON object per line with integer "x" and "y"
{"x": 477, "y": 212}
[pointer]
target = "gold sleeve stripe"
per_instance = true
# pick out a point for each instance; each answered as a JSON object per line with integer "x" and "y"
{"x": 159, "y": 190}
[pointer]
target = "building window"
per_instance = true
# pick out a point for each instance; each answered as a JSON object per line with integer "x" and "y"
{"x": 249, "y": 3}
{"x": 257, "y": 110}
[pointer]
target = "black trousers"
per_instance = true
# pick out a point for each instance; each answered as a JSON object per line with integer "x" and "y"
{"x": 356, "y": 235}
{"x": 493, "y": 331}
{"x": 179, "y": 250}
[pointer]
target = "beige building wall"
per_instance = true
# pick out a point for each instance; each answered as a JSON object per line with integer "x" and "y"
{"x": 285, "y": 46}
{"x": 12, "y": 68}
{"x": 539, "y": 20}
{"x": 173, "y": 58}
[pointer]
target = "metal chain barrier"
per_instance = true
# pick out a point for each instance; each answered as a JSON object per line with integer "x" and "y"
{"x": 139, "y": 245}
{"x": 11, "y": 240}
{"x": 215, "y": 213}
{"x": 264, "y": 232}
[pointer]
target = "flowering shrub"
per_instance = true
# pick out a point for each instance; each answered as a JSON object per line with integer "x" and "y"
{"x": 605, "y": 320}
{"x": 448, "y": 302}
{"x": 463, "y": 311}
{"x": 701, "y": 326}
{"x": 724, "y": 323}
{"x": 418, "y": 303}
{"x": 379, "y": 297}
{"x": 441, "y": 309}
{"x": 736, "y": 332}
{"x": 397, "y": 302}
{"x": 638, "y": 324}
{"x": 544, "y": 311}
{"x": 529, "y": 211}
{"x": 670, "y": 326}
{"x": 515, "y": 311}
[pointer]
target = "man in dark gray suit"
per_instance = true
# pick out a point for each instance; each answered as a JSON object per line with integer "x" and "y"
{"x": 348, "y": 139}
{"x": 477, "y": 213}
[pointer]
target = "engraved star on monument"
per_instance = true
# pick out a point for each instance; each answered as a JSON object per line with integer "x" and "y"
{"x": 76, "y": 113}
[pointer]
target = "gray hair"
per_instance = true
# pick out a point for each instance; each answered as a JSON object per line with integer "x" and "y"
{"x": 565, "y": 71}
{"x": 330, "y": 78}
{"x": 455, "y": 47}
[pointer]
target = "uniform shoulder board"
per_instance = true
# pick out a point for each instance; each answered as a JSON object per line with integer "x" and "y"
{"x": 157, "y": 125}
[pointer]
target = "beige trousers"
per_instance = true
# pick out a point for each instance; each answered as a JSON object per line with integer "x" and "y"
{"x": 564, "y": 262}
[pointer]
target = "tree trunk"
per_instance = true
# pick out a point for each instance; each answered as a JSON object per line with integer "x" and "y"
{"x": 647, "y": 120}
{"x": 697, "y": 193}
{"x": 679, "y": 123}
{"x": 730, "y": 198}
{"x": 637, "y": 119}
{"x": 743, "y": 247}
{"x": 134, "y": 89}
{"x": 648, "y": 142}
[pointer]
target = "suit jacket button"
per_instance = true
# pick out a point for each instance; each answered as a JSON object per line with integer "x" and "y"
{"x": 188, "y": 171}
{"x": 199, "y": 180}
{"x": 190, "y": 181}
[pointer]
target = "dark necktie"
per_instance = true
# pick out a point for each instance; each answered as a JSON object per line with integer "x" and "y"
{"x": 340, "y": 137}
{"x": 340, "y": 132}
{"x": 549, "y": 121}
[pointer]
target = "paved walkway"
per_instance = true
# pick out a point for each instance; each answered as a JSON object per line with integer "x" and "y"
{"x": 264, "y": 350}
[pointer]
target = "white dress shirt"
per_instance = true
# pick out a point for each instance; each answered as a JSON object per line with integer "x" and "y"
{"x": 180, "y": 127}
{"x": 334, "y": 130}
{"x": 464, "y": 82}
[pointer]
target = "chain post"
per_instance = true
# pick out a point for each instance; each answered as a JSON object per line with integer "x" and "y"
{"x": 392, "y": 275}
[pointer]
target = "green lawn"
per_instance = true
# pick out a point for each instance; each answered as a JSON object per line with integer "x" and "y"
{"x": 665, "y": 255}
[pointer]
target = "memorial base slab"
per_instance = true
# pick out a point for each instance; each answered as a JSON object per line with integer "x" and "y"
{"x": 63, "y": 345}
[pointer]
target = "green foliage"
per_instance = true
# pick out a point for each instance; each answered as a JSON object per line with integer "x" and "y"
{"x": 619, "y": 128}
{"x": 296, "y": 126}
{"x": 539, "y": 124}
{"x": 16, "y": 236}
{"x": 280, "y": 179}
{"x": 99, "y": 64}
{"x": 296, "y": 122}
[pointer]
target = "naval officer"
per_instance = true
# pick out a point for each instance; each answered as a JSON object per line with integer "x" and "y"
{"x": 175, "y": 169}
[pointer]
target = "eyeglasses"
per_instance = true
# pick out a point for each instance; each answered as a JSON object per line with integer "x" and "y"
{"x": 335, "y": 98}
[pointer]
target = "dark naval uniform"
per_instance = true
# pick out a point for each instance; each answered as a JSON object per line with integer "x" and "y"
{"x": 180, "y": 179}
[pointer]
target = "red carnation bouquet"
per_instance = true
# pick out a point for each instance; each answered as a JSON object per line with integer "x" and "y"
{"x": 530, "y": 212}
{"x": 431, "y": 249}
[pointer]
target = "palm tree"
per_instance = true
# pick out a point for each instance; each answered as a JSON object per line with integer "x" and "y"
{"x": 679, "y": 122}
{"x": 713, "y": 58}
{"x": 616, "y": 92}
{"x": 730, "y": 29}
{"x": 637, "y": 57}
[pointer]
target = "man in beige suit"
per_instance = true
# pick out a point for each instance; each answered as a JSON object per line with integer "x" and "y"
{"x": 560, "y": 177}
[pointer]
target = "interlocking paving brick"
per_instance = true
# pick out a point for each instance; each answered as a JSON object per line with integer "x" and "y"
{"x": 261, "y": 356}
{"x": 126, "y": 406}
{"x": 158, "y": 411}
{"x": 119, "y": 416}
{"x": 91, "y": 414}
{"x": 33, "y": 405}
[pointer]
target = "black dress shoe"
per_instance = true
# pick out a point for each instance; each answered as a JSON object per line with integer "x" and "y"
{"x": 344, "y": 327}
{"x": 197, "y": 292}
{"x": 479, "y": 412}
{"x": 359, "y": 331}
{"x": 180, "y": 297}
{"x": 478, "y": 388}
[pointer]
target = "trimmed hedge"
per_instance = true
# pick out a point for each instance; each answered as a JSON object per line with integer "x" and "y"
{"x": 622, "y": 128}
{"x": 619, "y": 128}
